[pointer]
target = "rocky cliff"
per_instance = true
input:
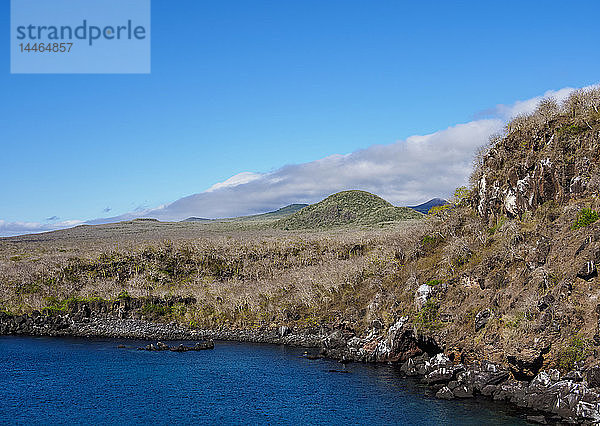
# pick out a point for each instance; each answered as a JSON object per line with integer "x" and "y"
{"x": 551, "y": 155}
{"x": 496, "y": 294}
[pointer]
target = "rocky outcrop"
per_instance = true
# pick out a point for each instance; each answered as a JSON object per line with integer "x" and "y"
{"x": 528, "y": 168}
{"x": 555, "y": 398}
{"x": 525, "y": 364}
{"x": 160, "y": 346}
{"x": 482, "y": 318}
{"x": 574, "y": 397}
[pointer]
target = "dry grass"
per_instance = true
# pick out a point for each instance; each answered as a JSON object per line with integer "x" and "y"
{"x": 251, "y": 275}
{"x": 240, "y": 277}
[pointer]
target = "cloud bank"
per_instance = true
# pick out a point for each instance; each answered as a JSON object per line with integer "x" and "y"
{"x": 406, "y": 172}
{"x": 9, "y": 229}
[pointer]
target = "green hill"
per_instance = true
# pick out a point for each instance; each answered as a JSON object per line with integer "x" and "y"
{"x": 347, "y": 208}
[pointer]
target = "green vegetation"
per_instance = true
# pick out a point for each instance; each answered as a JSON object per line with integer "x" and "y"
{"x": 577, "y": 350}
{"x": 354, "y": 260}
{"x": 499, "y": 222}
{"x": 257, "y": 218}
{"x": 347, "y": 208}
{"x": 431, "y": 241}
{"x": 56, "y": 305}
{"x": 155, "y": 311}
{"x": 460, "y": 198}
{"x": 124, "y": 295}
{"x": 428, "y": 317}
{"x": 571, "y": 129}
{"x": 518, "y": 318}
{"x": 29, "y": 288}
{"x": 585, "y": 217}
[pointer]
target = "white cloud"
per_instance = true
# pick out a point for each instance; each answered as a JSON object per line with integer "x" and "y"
{"x": 405, "y": 173}
{"x": 236, "y": 180}
{"x": 8, "y": 229}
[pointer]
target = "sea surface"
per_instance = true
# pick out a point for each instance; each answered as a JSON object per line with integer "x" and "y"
{"x": 82, "y": 381}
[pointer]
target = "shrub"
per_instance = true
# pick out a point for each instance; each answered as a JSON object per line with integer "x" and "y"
{"x": 154, "y": 311}
{"x": 584, "y": 218}
{"x": 428, "y": 316}
{"x": 577, "y": 350}
{"x": 517, "y": 319}
{"x": 461, "y": 196}
{"x": 437, "y": 210}
{"x": 29, "y": 288}
{"x": 54, "y": 306}
{"x": 431, "y": 241}
{"x": 572, "y": 129}
{"x": 433, "y": 283}
{"x": 124, "y": 295}
{"x": 499, "y": 222}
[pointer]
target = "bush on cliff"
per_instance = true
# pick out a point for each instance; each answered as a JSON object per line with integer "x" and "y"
{"x": 585, "y": 217}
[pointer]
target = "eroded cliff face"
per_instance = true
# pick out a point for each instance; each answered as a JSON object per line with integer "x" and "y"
{"x": 528, "y": 168}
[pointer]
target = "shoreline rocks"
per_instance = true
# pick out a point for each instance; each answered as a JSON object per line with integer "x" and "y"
{"x": 546, "y": 395}
{"x": 160, "y": 346}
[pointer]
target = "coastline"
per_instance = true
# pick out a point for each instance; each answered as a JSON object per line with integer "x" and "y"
{"x": 548, "y": 398}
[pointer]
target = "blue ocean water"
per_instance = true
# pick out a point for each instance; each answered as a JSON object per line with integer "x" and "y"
{"x": 82, "y": 381}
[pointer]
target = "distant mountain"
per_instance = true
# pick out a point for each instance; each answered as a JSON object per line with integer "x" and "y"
{"x": 274, "y": 215}
{"x": 196, "y": 219}
{"x": 347, "y": 208}
{"x": 425, "y": 207}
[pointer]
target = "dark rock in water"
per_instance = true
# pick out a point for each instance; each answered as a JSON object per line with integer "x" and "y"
{"x": 200, "y": 346}
{"x": 345, "y": 361}
{"x": 537, "y": 419}
{"x": 445, "y": 393}
{"x": 160, "y": 346}
{"x": 121, "y": 346}
{"x": 488, "y": 390}
{"x": 312, "y": 356}
{"x": 440, "y": 375}
{"x": 414, "y": 365}
{"x": 463, "y": 391}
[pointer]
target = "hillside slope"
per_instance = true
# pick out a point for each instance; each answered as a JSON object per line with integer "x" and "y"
{"x": 507, "y": 274}
{"x": 276, "y": 214}
{"x": 347, "y": 208}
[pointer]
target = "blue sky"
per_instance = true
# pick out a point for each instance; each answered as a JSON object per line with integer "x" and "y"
{"x": 241, "y": 86}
